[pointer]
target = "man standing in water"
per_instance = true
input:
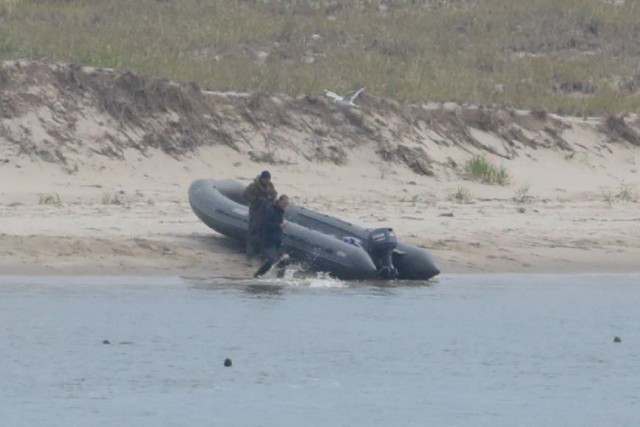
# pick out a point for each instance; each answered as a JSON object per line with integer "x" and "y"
{"x": 260, "y": 194}
{"x": 272, "y": 235}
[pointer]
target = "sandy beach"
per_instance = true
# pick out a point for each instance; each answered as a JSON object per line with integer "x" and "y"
{"x": 570, "y": 206}
{"x": 567, "y": 227}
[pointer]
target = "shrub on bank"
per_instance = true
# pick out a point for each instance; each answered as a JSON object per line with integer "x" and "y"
{"x": 480, "y": 169}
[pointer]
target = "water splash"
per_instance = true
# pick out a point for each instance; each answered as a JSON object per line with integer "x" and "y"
{"x": 293, "y": 277}
{"x": 300, "y": 278}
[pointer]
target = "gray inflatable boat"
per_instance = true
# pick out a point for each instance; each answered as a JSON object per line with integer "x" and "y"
{"x": 320, "y": 242}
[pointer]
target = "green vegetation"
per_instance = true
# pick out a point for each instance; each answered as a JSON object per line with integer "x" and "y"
{"x": 480, "y": 169}
{"x": 572, "y": 56}
{"x": 49, "y": 199}
{"x": 625, "y": 193}
{"x": 112, "y": 198}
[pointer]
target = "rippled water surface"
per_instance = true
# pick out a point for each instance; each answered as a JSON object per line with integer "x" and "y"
{"x": 495, "y": 350}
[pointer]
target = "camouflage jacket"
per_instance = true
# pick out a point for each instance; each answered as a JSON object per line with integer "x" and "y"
{"x": 259, "y": 195}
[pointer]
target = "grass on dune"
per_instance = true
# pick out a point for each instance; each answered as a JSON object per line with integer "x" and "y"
{"x": 573, "y": 56}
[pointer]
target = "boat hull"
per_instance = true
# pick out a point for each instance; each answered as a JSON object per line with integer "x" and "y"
{"x": 316, "y": 250}
{"x": 220, "y": 205}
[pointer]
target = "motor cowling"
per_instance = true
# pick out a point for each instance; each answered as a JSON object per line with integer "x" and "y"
{"x": 380, "y": 244}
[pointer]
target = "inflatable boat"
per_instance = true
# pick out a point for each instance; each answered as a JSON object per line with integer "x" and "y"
{"x": 319, "y": 241}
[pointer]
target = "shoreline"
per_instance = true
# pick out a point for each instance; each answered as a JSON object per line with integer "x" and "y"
{"x": 13, "y": 270}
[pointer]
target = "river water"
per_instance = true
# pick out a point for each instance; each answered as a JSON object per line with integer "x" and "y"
{"x": 468, "y": 350}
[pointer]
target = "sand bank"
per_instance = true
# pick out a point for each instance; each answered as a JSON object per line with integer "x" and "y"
{"x": 116, "y": 153}
{"x": 134, "y": 217}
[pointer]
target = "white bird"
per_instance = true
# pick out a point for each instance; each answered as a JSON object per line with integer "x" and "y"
{"x": 347, "y": 99}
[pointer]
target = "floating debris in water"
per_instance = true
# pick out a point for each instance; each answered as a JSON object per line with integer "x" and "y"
{"x": 227, "y": 362}
{"x": 617, "y": 339}
{"x": 105, "y": 342}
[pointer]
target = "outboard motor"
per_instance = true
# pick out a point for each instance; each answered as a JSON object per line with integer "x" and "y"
{"x": 380, "y": 244}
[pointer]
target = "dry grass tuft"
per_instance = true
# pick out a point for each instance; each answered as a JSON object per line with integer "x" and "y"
{"x": 50, "y": 199}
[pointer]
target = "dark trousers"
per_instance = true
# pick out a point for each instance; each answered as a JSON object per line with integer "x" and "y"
{"x": 254, "y": 235}
{"x": 272, "y": 255}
